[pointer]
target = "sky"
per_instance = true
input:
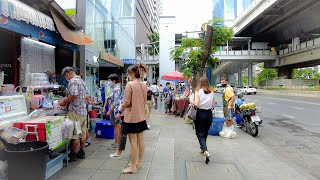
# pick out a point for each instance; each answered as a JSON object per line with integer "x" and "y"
{"x": 66, "y": 4}
{"x": 190, "y": 14}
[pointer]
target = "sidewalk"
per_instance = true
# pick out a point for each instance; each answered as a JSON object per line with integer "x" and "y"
{"x": 172, "y": 152}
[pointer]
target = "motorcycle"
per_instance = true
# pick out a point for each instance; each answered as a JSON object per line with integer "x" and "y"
{"x": 248, "y": 120}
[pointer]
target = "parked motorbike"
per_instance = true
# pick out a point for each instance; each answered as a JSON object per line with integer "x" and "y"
{"x": 249, "y": 121}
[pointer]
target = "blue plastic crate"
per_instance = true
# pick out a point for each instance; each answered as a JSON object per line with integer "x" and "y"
{"x": 216, "y": 126}
{"x": 54, "y": 165}
{"x": 104, "y": 129}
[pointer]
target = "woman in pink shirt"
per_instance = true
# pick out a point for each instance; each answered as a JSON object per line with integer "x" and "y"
{"x": 135, "y": 97}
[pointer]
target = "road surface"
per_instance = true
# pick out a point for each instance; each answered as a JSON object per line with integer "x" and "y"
{"x": 291, "y": 128}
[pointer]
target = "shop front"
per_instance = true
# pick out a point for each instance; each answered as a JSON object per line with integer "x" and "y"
{"x": 110, "y": 65}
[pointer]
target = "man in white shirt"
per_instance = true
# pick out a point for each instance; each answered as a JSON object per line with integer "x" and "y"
{"x": 155, "y": 90}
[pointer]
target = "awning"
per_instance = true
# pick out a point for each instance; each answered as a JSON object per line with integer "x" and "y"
{"x": 73, "y": 36}
{"x": 109, "y": 58}
{"x": 22, "y": 12}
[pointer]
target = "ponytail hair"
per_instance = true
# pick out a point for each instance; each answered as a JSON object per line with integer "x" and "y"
{"x": 139, "y": 70}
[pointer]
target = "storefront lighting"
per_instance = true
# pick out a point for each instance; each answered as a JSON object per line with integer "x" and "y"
{"x": 44, "y": 44}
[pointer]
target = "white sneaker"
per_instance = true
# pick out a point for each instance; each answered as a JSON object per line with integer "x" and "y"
{"x": 206, "y": 153}
{"x": 149, "y": 126}
{"x": 115, "y": 156}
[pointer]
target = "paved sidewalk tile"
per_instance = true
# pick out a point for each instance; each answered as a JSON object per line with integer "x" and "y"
{"x": 103, "y": 174}
{"x": 172, "y": 153}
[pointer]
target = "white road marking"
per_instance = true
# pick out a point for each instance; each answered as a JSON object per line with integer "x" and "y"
{"x": 271, "y": 103}
{"x": 255, "y": 100}
{"x": 291, "y": 101}
{"x": 291, "y": 117}
{"x": 298, "y": 108}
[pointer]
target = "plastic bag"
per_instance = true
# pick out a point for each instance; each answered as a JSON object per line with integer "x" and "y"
{"x": 47, "y": 103}
{"x": 68, "y": 128}
{"x": 3, "y": 169}
{"x": 228, "y": 132}
{"x": 77, "y": 128}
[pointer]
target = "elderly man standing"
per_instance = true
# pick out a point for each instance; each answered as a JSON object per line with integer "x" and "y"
{"x": 77, "y": 111}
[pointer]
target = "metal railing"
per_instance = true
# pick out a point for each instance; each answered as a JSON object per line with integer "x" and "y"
{"x": 302, "y": 46}
{"x": 246, "y": 53}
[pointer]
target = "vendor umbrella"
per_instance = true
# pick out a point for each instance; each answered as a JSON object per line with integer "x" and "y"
{"x": 175, "y": 76}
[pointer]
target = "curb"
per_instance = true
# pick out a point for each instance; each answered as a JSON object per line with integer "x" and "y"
{"x": 313, "y": 94}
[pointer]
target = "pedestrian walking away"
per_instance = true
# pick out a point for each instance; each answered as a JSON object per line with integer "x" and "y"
{"x": 135, "y": 97}
{"x": 77, "y": 111}
{"x": 205, "y": 102}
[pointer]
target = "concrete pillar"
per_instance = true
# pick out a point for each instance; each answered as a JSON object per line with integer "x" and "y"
{"x": 250, "y": 75}
{"x": 150, "y": 75}
{"x": 239, "y": 76}
{"x": 285, "y": 71}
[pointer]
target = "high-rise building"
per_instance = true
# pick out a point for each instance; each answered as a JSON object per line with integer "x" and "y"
{"x": 242, "y": 5}
{"x": 218, "y": 8}
{"x": 226, "y": 10}
{"x": 147, "y": 19}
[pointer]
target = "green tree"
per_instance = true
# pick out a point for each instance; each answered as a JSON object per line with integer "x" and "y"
{"x": 191, "y": 50}
{"x": 306, "y": 73}
{"x": 245, "y": 81}
{"x": 154, "y": 39}
{"x": 266, "y": 74}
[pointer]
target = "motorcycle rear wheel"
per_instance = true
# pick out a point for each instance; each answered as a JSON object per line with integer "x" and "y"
{"x": 253, "y": 129}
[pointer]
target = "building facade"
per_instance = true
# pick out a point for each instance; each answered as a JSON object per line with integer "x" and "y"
{"x": 167, "y": 42}
{"x": 111, "y": 24}
{"x": 229, "y": 10}
{"x": 147, "y": 22}
{"x": 147, "y": 18}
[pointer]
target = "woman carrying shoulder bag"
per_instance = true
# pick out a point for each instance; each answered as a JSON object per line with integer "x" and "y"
{"x": 135, "y": 97}
{"x": 204, "y": 101}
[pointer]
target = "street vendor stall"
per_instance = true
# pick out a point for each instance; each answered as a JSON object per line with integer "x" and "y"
{"x": 181, "y": 104}
{"x": 180, "y": 101}
{"x": 56, "y": 131}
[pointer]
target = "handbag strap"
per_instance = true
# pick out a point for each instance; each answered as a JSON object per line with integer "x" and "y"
{"x": 142, "y": 91}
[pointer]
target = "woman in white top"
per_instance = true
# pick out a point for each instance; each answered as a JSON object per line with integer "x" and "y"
{"x": 204, "y": 101}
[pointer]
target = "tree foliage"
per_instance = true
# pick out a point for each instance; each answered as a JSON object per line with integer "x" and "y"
{"x": 190, "y": 50}
{"x": 154, "y": 38}
{"x": 266, "y": 74}
{"x": 306, "y": 73}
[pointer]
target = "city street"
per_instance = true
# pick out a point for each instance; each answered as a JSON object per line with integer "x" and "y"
{"x": 291, "y": 129}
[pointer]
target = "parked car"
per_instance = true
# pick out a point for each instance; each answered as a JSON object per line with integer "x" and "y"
{"x": 219, "y": 88}
{"x": 240, "y": 89}
{"x": 249, "y": 90}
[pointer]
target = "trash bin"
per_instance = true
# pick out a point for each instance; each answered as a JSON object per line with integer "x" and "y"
{"x": 27, "y": 160}
{"x": 310, "y": 86}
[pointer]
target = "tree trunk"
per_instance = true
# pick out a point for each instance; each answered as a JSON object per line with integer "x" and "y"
{"x": 207, "y": 47}
{"x": 204, "y": 57}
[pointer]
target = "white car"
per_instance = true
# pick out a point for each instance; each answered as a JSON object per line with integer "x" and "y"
{"x": 249, "y": 90}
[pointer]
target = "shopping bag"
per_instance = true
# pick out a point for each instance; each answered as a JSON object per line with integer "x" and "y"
{"x": 228, "y": 132}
